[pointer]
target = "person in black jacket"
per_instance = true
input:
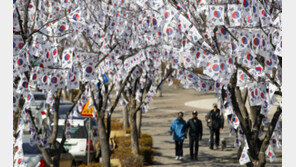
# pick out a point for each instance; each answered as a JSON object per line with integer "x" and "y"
{"x": 215, "y": 122}
{"x": 194, "y": 126}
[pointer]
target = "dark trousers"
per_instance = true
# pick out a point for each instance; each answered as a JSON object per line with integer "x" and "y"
{"x": 193, "y": 142}
{"x": 216, "y": 132}
{"x": 179, "y": 148}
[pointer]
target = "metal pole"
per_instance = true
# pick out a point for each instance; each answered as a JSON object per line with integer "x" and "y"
{"x": 88, "y": 141}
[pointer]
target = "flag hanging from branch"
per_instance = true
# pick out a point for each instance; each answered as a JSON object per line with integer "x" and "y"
{"x": 216, "y": 14}
{"x": 274, "y": 141}
{"x": 244, "y": 158}
{"x": 270, "y": 154}
{"x": 23, "y": 85}
{"x": 67, "y": 58}
{"x": 234, "y": 121}
{"x": 234, "y": 15}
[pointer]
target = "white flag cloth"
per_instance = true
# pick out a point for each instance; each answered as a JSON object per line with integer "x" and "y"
{"x": 242, "y": 78}
{"x": 244, "y": 158}
{"x": 234, "y": 121}
{"x": 89, "y": 73}
{"x": 216, "y": 14}
{"x": 73, "y": 78}
{"x": 234, "y": 15}
{"x": 16, "y": 97}
{"x": 270, "y": 154}
{"x": 23, "y": 85}
{"x": 274, "y": 141}
{"x": 21, "y": 63}
{"x": 67, "y": 58}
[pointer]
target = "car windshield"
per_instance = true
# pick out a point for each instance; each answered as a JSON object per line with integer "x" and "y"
{"x": 39, "y": 97}
{"x": 66, "y": 103}
{"x": 76, "y": 132}
{"x": 30, "y": 149}
{"x": 63, "y": 109}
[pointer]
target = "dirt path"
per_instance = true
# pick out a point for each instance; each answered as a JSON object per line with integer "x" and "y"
{"x": 157, "y": 121}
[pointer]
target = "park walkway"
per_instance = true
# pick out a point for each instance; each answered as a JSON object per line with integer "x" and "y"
{"x": 163, "y": 111}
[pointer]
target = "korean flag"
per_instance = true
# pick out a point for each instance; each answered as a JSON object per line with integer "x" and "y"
{"x": 274, "y": 141}
{"x": 35, "y": 76}
{"x": 54, "y": 80}
{"x": 29, "y": 99}
{"x": 270, "y": 154}
{"x": 256, "y": 41}
{"x": 244, "y": 38}
{"x": 216, "y": 14}
{"x": 21, "y": 64}
{"x": 234, "y": 121}
{"x": 73, "y": 78}
{"x": 263, "y": 15}
{"x": 67, "y": 58}
{"x": 55, "y": 54}
{"x": 89, "y": 73}
{"x": 44, "y": 79}
{"x": 23, "y": 85}
{"x": 16, "y": 97}
{"x": 61, "y": 75}
{"x": 242, "y": 78}
{"x": 244, "y": 158}
{"x": 61, "y": 27}
{"x": 234, "y": 15}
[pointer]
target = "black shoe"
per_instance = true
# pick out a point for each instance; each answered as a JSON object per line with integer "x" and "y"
{"x": 211, "y": 148}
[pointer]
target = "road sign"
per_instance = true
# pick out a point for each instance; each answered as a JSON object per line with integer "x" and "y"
{"x": 87, "y": 112}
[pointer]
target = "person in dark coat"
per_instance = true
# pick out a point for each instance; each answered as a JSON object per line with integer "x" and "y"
{"x": 215, "y": 122}
{"x": 178, "y": 128}
{"x": 194, "y": 126}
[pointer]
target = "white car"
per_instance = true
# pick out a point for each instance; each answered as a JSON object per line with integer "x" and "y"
{"x": 33, "y": 157}
{"x": 77, "y": 144}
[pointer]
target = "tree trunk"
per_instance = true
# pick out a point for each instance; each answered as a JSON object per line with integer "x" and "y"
{"x": 139, "y": 122}
{"x": 262, "y": 161}
{"x": 54, "y": 134}
{"x": 125, "y": 120}
{"x": 46, "y": 157}
{"x": 134, "y": 133}
{"x": 71, "y": 95}
{"x": 104, "y": 144}
{"x": 108, "y": 127}
{"x": 54, "y": 130}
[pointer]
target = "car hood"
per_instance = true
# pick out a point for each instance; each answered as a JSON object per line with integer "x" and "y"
{"x": 32, "y": 159}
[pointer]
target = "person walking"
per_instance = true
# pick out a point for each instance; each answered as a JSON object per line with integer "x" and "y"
{"x": 215, "y": 122}
{"x": 194, "y": 126}
{"x": 178, "y": 127}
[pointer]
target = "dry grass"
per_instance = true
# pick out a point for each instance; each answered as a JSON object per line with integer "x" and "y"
{"x": 123, "y": 152}
{"x": 92, "y": 164}
{"x": 115, "y": 124}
